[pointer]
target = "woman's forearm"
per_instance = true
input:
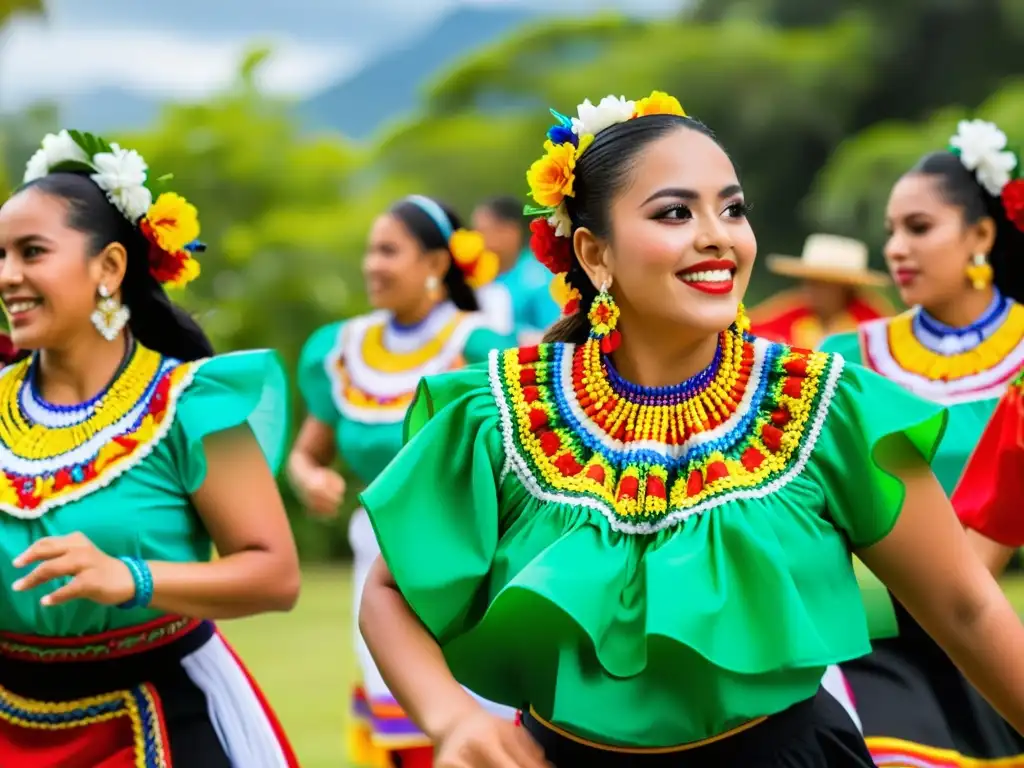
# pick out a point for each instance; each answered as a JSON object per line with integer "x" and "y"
{"x": 410, "y": 661}
{"x": 985, "y": 642}
{"x": 237, "y": 585}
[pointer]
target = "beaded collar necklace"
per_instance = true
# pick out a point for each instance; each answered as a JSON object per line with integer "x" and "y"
{"x": 945, "y": 339}
{"x": 665, "y": 395}
{"x": 37, "y": 408}
{"x": 53, "y": 454}
{"x": 666, "y": 415}
{"x": 576, "y": 432}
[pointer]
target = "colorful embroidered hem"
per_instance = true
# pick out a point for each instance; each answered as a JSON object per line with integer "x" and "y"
{"x": 374, "y": 369}
{"x": 52, "y": 455}
{"x": 892, "y": 348}
{"x": 130, "y": 719}
{"x": 103, "y": 647}
{"x": 647, "y": 458}
{"x": 388, "y": 727}
{"x": 897, "y": 753}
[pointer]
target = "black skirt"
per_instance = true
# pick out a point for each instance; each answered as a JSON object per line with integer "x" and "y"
{"x": 816, "y": 733}
{"x": 167, "y": 693}
{"x": 917, "y": 709}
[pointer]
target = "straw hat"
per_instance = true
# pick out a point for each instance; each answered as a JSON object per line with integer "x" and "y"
{"x": 832, "y": 259}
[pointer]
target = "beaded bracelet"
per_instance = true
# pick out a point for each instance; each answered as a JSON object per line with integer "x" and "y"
{"x": 143, "y": 579}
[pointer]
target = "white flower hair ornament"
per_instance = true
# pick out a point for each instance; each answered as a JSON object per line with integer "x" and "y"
{"x": 982, "y": 148}
{"x": 169, "y": 223}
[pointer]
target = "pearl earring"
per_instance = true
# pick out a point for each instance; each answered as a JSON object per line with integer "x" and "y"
{"x": 110, "y": 316}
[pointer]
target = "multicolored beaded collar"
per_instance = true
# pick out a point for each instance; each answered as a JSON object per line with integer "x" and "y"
{"x": 376, "y": 365}
{"x": 55, "y": 454}
{"x": 575, "y": 432}
{"x": 944, "y": 364}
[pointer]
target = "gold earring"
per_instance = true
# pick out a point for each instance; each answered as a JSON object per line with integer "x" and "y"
{"x": 110, "y": 316}
{"x": 742, "y": 321}
{"x": 979, "y": 272}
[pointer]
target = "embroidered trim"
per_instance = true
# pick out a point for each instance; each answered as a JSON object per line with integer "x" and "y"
{"x": 891, "y": 348}
{"x": 141, "y": 705}
{"x": 898, "y": 753}
{"x": 759, "y": 441}
{"x": 102, "y": 647}
{"x": 372, "y": 383}
{"x": 46, "y": 466}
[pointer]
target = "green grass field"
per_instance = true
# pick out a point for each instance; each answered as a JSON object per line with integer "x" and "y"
{"x": 304, "y": 662}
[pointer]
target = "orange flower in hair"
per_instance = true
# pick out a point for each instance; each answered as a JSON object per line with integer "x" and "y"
{"x": 478, "y": 265}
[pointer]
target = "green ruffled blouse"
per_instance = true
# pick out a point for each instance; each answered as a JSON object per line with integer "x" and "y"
{"x": 634, "y": 592}
{"x": 121, "y": 469}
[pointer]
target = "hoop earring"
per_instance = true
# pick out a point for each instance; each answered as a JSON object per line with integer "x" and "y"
{"x": 110, "y": 316}
{"x": 742, "y": 321}
{"x": 603, "y": 317}
{"x": 979, "y": 272}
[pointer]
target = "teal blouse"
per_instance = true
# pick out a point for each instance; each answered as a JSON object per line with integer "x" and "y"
{"x": 122, "y": 468}
{"x": 358, "y": 377}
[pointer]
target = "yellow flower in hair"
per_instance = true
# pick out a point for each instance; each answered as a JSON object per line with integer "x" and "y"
{"x": 171, "y": 222}
{"x": 469, "y": 251}
{"x": 659, "y": 103}
{"x": 551, "y": 177}
{"x": 565, "y": 295}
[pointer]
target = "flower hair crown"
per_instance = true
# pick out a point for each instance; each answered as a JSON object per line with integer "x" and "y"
{"x": 981, "y": 147}
{"x": 478, "y": 265}
{"x": 551, "y": 178}
{"x": 170, "y": 224}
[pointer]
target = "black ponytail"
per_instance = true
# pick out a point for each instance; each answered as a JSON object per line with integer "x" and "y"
{"x": 430, "y": 237}
{"x": 156, "y": 321}
{"x": 601, "y": 172}
{"x": 960, "y": 187}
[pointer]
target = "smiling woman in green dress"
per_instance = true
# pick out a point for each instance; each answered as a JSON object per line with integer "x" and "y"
{"x": 127, "y": 452}
{"x": 358, "y": 378}
{"x": 956, "y": 252}
{"x": 640, "y": 531}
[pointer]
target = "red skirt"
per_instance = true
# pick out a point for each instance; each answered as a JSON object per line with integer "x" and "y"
{"x": 168, "y": 694}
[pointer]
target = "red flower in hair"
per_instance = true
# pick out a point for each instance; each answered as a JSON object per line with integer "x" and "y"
{"x": 1013, "y": 202}
{"x": 552, "y": 251}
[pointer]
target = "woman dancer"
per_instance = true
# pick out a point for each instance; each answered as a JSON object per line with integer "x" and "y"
{"x": 640, "y": 530}
{"x": 358, "y": 378}
{"x": 955, "y": 254}
{"x": 127, "y": 452}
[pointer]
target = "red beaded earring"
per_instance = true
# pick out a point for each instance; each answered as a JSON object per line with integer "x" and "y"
{"x": 604, "y": 316}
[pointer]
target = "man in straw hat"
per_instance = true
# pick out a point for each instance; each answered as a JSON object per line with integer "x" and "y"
{"x": 833, "y": 296}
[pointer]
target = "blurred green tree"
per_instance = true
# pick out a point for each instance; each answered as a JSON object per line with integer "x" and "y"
{"x": 850, "y": 193}
{"x": 283, "y": 228}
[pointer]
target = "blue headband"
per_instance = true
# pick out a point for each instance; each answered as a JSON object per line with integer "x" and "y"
{"x": 435, "y": 212}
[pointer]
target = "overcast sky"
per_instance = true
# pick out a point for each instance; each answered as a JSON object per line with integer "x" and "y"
{"x": 191, "y": 47}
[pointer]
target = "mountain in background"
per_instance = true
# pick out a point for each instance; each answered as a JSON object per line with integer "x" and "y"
{"x": 383, "y": 90}
{"x": 387, "y": 88}
{"x": 108, "y": 109}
